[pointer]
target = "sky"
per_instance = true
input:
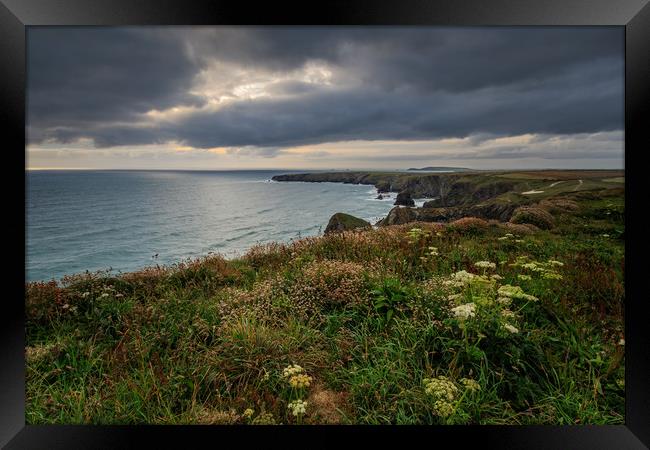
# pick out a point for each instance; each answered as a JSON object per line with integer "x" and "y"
{"x": 324, "y": 97}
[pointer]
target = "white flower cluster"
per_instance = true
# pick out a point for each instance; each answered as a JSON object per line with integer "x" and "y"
{"x": 297, "y": 407}
{"x": 515, "y": 292}
{"x": 511, "y": 328}
{"x": 545, "y": 269}
{"x": 485, "y": 265}
{"x": 291, "y": 370}
{"x": 444, "y": 392}
{"x": 464, "y": 311}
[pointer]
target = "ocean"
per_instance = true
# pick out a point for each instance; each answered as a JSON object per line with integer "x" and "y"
{"x": 126, "y": 220}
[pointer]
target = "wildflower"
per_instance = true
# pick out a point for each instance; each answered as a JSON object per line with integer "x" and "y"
{"x": 496, "y": 277}
{"x": 504, "y": 300}
{"x": 507, "y": 313}
{"x": 266, "y": 376}
{"x": 444, "y": 391}
{"x": 555, "y": 263}
{"x": 503, "y": 238}
{"x": 524, "y": 277}
{"x": 453, "y": 283}
{"x": 440, "y": 387}
{"x": 485, "y": 265}
{"x": 464, "y": 311}
{"x": 552, "y": 275}
{"x": 264, "y": 419}
{"x": 85, "y": 294}
{"x": 248, "y": 413}
{"x": 511, "y": 328}
{"x": 104, "y": 295}
{"x": 300, "y": 381}
{"x": 298, "y": 407}
{"x": 605, "y": 235}
{"x": 454, "y": 297}
{"x": 470, "y": 384}
{"x": 621, "y": 342}
{"x": 443, "y": 408}
{"x": 515, "y": 292}
{"x": 433, "y": 251}
{"x": 291, "y": 370}
{"x": 519, "y": 241}
{"x": 463, "y": 276}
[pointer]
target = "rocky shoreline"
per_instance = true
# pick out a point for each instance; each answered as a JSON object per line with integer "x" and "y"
{"x": 523, "y": 197}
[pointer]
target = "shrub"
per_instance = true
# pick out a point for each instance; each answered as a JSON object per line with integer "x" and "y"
{"x": 41, "y": 301}
{"x": 519, "y": 228}
{"x": 558, "y": 205}
{"x": 533, "y": 215}
{"x": 330, "y": 283}
{"x": 469, "y": 225}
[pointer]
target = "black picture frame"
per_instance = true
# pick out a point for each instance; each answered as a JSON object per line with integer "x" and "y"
{"x": 634, "y": 15}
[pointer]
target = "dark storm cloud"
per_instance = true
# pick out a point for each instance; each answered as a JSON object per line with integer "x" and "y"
{"x": 387, "y": 84}
{"x": 88, "y": 77}
{"x": 453, "y": 59}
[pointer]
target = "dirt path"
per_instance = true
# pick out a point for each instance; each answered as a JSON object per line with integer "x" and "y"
{"x": 579, "y": 184}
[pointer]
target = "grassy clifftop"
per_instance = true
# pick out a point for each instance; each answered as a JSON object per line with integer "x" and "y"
{"x": 464, "y": 188}
{"x": 458, "y": 323}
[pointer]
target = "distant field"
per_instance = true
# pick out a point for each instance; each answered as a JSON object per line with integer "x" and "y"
{"x": 563, "y": 174}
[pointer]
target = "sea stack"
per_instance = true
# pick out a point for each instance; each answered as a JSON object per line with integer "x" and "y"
{"x": 404, "y": 199}
{"x": 345, "y": 222}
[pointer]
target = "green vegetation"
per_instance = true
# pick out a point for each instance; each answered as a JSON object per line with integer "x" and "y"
{"x": 473, "y": 322}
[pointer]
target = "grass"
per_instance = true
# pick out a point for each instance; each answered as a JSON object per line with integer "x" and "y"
{"x": 370, "y": 317}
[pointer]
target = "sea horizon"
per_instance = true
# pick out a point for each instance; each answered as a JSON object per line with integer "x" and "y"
{"x": 74, "y": 225}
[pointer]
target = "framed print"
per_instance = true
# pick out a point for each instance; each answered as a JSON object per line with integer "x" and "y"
{"x": 366, "y": 219}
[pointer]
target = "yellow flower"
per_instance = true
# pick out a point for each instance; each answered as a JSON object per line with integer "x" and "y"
{"x": 300, "y": 381}
{"x": 444, "y": 392}
{"x": 470, "y": 385}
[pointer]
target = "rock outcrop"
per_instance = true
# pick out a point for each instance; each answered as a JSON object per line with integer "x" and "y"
{"x": 404, "y": 199}
{"x": 345, "y": 222}
{"x": 398, "y": 216}
{"x": 496, "y": 211}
